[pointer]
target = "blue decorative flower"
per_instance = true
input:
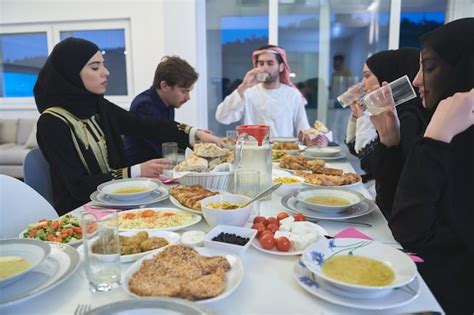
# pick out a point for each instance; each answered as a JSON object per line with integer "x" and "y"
{"x": 317, "y": 257}
{"x": 332, "y": 245}
{"x": 308, "y": 281}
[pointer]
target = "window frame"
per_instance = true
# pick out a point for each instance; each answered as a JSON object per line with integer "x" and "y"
{"x": 53, "y": 31}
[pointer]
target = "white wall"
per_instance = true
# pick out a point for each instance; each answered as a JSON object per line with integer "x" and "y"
{"x": 157, "y": 28}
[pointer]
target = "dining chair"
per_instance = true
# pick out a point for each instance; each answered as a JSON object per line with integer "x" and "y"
{"x": 20, "y": 205}
{"x": 37, "y": 175}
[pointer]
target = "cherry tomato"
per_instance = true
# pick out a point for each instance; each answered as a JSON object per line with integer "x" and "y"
{"x": 299, "y": 217}
{"x": 265, "y": 233}
{"x": 260, "y": 220}
{"x": 273, "y": 227}
{"x": 259, "y": 227}
{"x": 283, "y": 244}
{"x": 282, "y": 215}
{"x": 267, "y": 242}
{"x": 274, "y": 220}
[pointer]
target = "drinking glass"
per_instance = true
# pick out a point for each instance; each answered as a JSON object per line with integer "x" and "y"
{"x": 396, "y": 92}
{"x": 247, "y": 183}
{"x": 169, "y": 151}
{"x": 231, "y": 136}
{"x": 352, "y": 94}
{"x": 100, "y": 235}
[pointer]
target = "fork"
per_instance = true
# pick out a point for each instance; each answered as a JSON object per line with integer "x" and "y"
{"x": 82, "y": 309}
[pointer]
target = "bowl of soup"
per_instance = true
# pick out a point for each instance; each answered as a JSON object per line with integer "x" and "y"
{"x": 359, "y": 266}
{"x": 329, "y": 199}
{"x": 226, "y": 209}
{"x": 128, "y": 189}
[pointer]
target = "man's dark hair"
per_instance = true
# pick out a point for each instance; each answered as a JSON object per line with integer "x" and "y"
{"x": 338, "y": 57}
{"x": 277, "y": 56}
{"x": 175, "y": 72}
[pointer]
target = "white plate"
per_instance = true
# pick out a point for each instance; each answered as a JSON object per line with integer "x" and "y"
{"x": 150, "y": 306}
{"x": 233, "y": 276}
{"x": 323, "y": 290}
{"x": 195, "y": 218}
{"x": 283, "y": 139}
{"x": 321, "y": 232}
{"x": 171, "y": 237}
{"x": 281, "y": 173}
{"x": 100, "y": 199}
{"x": 350, "y": 196}
{"x": 33, "y": 251}
{"x": 403, "y": 267}
{"x": 61, "y": 263}
{"x": 294, "y": 206}
{"x": 325, "y": 151}
{"x": 337, "y": 156}
{"x": 109, "y": 188}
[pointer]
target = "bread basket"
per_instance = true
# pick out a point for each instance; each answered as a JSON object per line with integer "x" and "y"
{"x": 216, "y": 181}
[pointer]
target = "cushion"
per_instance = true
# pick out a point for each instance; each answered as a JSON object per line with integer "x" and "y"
{"x": 31, "y": 142}
{"x": 8, "y": 129}
{"x": 14, "y": 155}
{"x": 25, "y": 125}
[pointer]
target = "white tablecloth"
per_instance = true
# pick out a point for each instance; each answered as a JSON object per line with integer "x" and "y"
{"x": 268, "y": 285}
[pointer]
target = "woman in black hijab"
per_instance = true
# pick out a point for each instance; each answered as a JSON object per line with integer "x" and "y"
{"x": 433, "y": 212}
{"x": 382, "y": 163}
{"x": 79, "y": 131}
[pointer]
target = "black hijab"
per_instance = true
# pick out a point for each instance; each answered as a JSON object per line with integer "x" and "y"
{"x": 454, "y": 44}
{"x": 59, "y": 83}
{"x": 390, "y": 65}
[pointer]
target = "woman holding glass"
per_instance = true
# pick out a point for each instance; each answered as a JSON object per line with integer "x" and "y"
{"x": 80, "y": 132}
{"x": 382, "y": 163}
{"x": 433, "y": 212}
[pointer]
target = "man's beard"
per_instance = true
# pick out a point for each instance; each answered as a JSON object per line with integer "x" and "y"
{"x": 273, "y": 77}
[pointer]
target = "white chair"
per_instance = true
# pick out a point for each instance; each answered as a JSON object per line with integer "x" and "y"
{"x": 20, "y": 205}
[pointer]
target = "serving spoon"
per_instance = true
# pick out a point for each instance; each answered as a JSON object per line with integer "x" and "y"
{"x": 262, "y": 194}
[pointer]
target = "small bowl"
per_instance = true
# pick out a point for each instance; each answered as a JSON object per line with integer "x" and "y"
{"x": 192, "y": 238}
{"x": 234, "y": 217}
{"x": 352, "y": 198}
{"x": 287, "y": 188}
{"x": 323, "y": 151}
{"x": 403, "y": 267}
{"x": 239, "y": 231}
{"x": 117, "y": 189}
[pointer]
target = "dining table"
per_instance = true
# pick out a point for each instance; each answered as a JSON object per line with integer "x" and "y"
{"x": 268, "y": 285}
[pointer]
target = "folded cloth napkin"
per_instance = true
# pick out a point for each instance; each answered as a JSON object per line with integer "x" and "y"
{"x": 98, "y": 213}
{"x": 352, "y": 232}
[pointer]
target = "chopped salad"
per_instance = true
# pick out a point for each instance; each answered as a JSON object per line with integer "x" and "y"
{"x": 65, "y": 229}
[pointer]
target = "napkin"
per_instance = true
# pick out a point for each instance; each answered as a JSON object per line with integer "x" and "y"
{"x": 98, "y": 213}
{"x": 352, "y": 232}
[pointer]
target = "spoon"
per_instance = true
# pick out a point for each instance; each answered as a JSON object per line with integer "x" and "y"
{"x": 262, "y": 194}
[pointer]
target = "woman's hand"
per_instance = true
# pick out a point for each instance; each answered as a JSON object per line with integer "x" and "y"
{"x": 452, "y": 116}
{"x": 357, "y": 109}
{"x": 388, "y": 126}
{"x": 154, "y": 168}
{"x": 207, "y": 136}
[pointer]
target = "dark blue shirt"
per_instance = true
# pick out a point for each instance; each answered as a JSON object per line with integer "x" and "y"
{"x": 147, "y": 103}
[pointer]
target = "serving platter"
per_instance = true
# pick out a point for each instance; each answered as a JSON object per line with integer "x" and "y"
{"x": 233, "y": 277}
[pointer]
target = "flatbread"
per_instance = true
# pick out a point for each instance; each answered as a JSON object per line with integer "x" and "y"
{"x": 209, "y": 150}
{"x": 192, "y": 164}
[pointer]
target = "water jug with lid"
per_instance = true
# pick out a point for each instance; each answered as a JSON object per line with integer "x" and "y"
{"x": 253, "y": 151}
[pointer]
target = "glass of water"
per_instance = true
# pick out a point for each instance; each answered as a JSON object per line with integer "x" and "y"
{"x": 101, "y": 249}
{"x": 247, "y": 183}
{"x": 169, "y": 151}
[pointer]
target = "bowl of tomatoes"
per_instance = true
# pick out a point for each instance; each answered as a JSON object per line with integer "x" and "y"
{"x": 285, "y": 235}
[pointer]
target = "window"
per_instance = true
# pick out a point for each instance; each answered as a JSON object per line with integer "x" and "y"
{"x": 22, "y": 56}
{"x": 25, "y": 48}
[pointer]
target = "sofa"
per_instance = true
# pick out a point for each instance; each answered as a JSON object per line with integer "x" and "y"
{"x": 17, "y": 138}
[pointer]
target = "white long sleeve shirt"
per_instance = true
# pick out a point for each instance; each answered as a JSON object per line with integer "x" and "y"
{"x": 361, "y": 131}
{"x": 282, "y": 109}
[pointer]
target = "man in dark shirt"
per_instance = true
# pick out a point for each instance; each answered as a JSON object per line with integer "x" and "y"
{"x": 174, "y": 80}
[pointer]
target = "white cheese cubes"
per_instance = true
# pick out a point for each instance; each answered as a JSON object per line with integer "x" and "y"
{"x": 300, "y": 233}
